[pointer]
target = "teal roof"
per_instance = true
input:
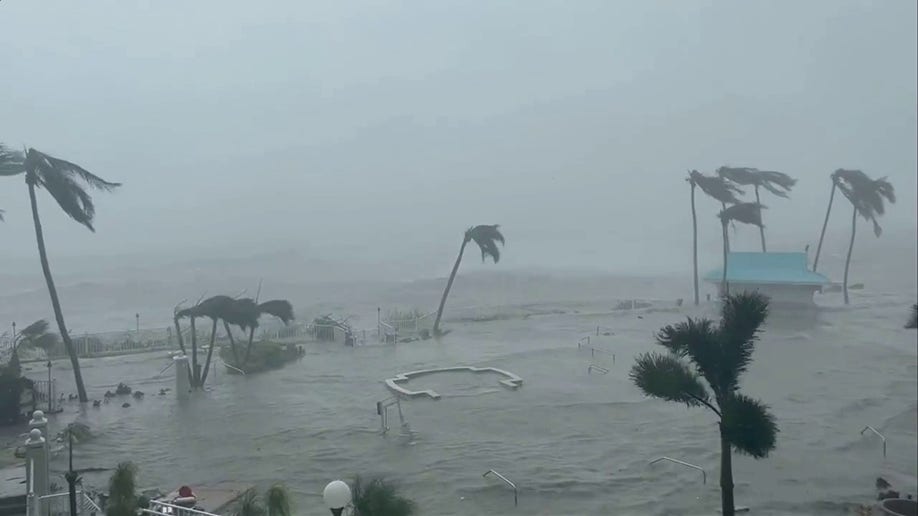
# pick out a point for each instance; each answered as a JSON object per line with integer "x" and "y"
{"x": 768, "y": 268}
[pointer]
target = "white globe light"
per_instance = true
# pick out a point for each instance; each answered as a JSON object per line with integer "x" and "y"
{"x": 337, "y": 494}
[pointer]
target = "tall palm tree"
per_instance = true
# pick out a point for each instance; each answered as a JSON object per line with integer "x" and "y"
{"x": 376, "y": 497}
{"x": 777, "y": 183}
{"x": 719, "y": 354}
{"x": 744, "y": 212}
{"x": 867, "y": 197}
{"x": 720, "y": 190}
{"x": 841, "y": 174}
{"x": 67, "y": 182}
{"x": 487, "y": 237}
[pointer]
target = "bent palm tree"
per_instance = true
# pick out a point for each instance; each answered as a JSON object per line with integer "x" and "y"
{"x": 487, "y": 237}
{"x": 245, "y": 313}
{"x": 777, "y": 183}
{"x": 67, "y": 182}
{"x": 719, "y": 354}
{"x": 717, "y": 188}
{"x": 744, "y": 212}
{"x": 376, "y": 497}
{"x": 867, "y": 197}
{"x": 214, "y": 308}
{"x": 837, "y": 176}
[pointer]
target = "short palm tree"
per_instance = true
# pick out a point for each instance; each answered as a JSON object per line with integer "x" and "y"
{"x": 122, "y": 495}
{"x": 67, "y": 182}
{"x": 376, "y": 497}
{"x": 274, "y": 502}
{"x": 777, "y": 183}
{"x": 717, "y": 188}
{"x": 839, "y": 175}
{"x": 744, "y": 212}
{"x": 487, "y": 237}
{"x": 700, "y": 349}
{"x": 867, "y": 197}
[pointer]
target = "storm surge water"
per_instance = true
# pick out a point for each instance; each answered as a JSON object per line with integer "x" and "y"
{"x": 574, "y": 442}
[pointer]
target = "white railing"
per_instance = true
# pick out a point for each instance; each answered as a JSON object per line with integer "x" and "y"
{"x": 516, "y": 498}
{"x": 382, "y": 408}
{"x": 594, "y": 367}
{"x": 160, "y": 508}
{"x": 878, "y": 434}
{"x": 58, "y": 504}
{"x": 584, "y": 343}
{"x": 704, "y": 476}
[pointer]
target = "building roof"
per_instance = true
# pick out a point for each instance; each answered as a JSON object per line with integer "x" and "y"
{"x": 768, "y": 268}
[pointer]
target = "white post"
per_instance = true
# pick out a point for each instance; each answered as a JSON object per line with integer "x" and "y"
{"x": 40, "y": 422}
{"x": 38, "y": 463}
{"x": 182, "y": 384}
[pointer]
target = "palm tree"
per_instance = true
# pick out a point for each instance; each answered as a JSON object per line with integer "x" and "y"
{"x": 487, "y": 237}
{"x": 867, "y": 197}
{"x": 777, "y": 183}
{"x": 280, "y": 308}
{"x": 122, "y": 496}
{"x": 62, "y": 179}
{"x": 214, "y": 308}
{"x": 717, "y": 188}
{"x": 744, "y": 212}
{"x": 275, "y": 502}
{"x": 835, "y": 177}
{"x": 35, "y": 335}
{"x": 913, "y": 320}
{"x": 377, "y": 497}
{"x": 719, "y": 354}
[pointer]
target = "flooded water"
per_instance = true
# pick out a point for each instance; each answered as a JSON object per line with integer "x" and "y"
{"x": 575, "y": 443}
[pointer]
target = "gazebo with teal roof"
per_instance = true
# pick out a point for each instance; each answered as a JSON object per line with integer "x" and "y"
{"x": 784, "y": 277}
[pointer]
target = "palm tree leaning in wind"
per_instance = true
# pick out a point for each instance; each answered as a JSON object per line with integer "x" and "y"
{"x": 867, "y": 198}
{"x": 487, "y": 237}
{"x": 841, "y": 174}
{"x": 717, "y": 188}
{"x": 744, "y": 212}
{"x": 718, "y": 353}
{"x": 62, "y": 179}
{"x": 777, "y": 183}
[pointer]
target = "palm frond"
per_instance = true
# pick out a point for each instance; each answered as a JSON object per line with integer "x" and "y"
{"x": 214, "y": 307}
{"x": 243, "y": 313}
{"x": 280, "y": 308}
{"x": 122, "y": 497}
{"x": 716, "y": 187}
{"x": 376, "y": 497}
{"x": 913, "y": 320}
{"x": 35, "y": 329}
{"x": 742, "y": 318}
{"x": 744, "y": 212}
{"x": 277, "y": 501}
{"x": 1, "y": 215}
{"x": 776, "y": 182}
{"x": 749, "y": 426}
{"x": 11, "y": 161}
{"x": 868, "y": 196}
{"x": 668, "y": 378}
{"x": 487, "y": 237}
{"x": 696, "y": 339}
{"x": 739, "y": 175}
{"x": 64, "y": 167}
{"x": 249, "y": 504}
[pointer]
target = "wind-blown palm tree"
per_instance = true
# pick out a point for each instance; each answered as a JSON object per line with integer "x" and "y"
{"x": 867, "y": 197}
{"x": 122, "y": 491}
{"x": 848, "y": 175}
{"x": 717, "y": 188}
{"x": 777, "y": 183}
{"x": 719, "y": 354}
{"x": 245, "y": 313}
{"x": 376, "y": 497}
{"x": 35, "y": 335}
{"x": 214, "y": 308}
{"x": 744, "y": 212}
{"x": 67, "y": 182}
{"x": 487, "y": 237}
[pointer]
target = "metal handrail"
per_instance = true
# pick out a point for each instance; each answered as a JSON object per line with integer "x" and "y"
{"x": 881, "y": 436}
{"x": 175, "y": 510}
{"x": 580, "y": 342}
{"x": 704, "y": 476}
{"x": 516, "y": 498}
{"x": 234, "y": 368}
{"x": 601, "y": 369}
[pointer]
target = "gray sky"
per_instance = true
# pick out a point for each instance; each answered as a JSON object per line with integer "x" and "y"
{"x": 380, "y": 130}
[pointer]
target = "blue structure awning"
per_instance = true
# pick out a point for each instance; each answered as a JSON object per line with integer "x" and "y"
{"x": 768, "y": 269}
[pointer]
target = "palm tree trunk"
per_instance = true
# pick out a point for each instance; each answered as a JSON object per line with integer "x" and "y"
{"x": 55, "y": 302}
{"x": 724, "y": 286}
{"x": 723, "y": 207}
{"x": 850, "y": 248}
{"x": 210, "y": 352}
{"x": 232, "y": 344}
{"x": 195, "y": 372}
{"x": 825, "y": 223}
{"x": 762, "y": 227}
{"x": 694, "y": 245}
{"x": 178, "y": 333}
{"x": 726, "y": 477}
{"x": 248, "y": 348}
{"x": 449, "y": 285}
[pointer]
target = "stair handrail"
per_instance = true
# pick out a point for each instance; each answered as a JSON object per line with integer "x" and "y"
{"x": 516, "y": 499}
{"x": 704, "y": 476}
{"x": 878, "y": 434}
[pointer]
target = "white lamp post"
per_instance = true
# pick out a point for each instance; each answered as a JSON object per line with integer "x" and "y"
{"x": 337, "y": 496}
